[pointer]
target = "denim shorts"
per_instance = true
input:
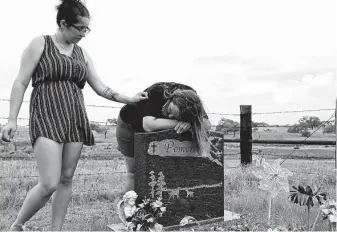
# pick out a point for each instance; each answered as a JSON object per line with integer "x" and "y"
{"x": 125, "y": 138}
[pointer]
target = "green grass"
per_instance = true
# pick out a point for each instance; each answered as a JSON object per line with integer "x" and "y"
{"x": 243, "y": 196}
{"x": 95, "y": 195}
{"x": 92, "y": 204}
{"x": 94, "y": 198}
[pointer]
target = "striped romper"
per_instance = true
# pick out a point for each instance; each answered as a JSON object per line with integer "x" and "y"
{"x": 57, "y": 109}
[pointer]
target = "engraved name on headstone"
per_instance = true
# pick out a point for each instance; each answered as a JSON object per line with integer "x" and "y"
{"x": 172, "y": 147}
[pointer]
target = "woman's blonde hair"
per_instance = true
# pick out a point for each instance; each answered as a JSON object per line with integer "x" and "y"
{"x": 190, "y": 110}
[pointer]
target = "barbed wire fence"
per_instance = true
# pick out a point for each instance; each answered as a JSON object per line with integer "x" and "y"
{"x": 300, "y": 142}
{"x": 87, "y": 176}
{"x": 209, "y": 113}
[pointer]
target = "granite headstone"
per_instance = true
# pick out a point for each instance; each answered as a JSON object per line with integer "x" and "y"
{"x": 168, "y": 166}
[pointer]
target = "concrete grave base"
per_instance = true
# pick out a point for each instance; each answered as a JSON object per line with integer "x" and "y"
{"x": 228, "y": 217}
{"x": 117, "y": 227}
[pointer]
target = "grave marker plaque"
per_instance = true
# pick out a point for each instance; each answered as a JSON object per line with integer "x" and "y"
{"x": 168, "y": 166}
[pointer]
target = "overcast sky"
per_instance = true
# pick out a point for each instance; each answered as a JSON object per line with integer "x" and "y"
{"x": 273, "y": 55}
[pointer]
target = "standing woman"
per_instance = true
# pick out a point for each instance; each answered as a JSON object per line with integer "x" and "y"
{"x": 58, "y": 125}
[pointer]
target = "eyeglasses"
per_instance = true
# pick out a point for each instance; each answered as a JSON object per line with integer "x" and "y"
{"x": 82, "y": 29}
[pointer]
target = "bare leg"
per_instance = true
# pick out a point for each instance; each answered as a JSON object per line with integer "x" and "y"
{"x": 130, "y": 167}
{"x": 125, "y": 140}
{"x": 62, "y": 196}
{"x": 48, "y": 157}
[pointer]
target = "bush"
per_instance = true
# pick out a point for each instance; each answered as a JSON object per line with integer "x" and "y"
{"x": 330, "y": 129}
{"x": 305, "y": 133}
{"x": 296, "y": 128}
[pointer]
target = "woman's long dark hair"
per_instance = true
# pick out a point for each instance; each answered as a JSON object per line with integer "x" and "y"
{"x": 190, "y": 110}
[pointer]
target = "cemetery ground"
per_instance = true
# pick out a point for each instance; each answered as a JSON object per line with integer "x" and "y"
{"x": 99, "y": 182}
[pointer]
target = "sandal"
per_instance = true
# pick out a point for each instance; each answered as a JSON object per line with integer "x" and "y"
{"x": 16, "y": 227}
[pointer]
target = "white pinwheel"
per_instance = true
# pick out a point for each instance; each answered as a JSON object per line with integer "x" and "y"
{"x": 273, "y": 178}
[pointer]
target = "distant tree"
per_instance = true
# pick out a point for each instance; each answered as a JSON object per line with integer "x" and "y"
{"x": 227, "y": 125}
{"x": 330, "y": 129}
{"x": 259, "y": 124}
{"x": 296, "y": 128}
{"x": 112, "y": 121}
{"x": 310, "y": 122}
{"x": 256, "y": 125}
{"x": 305, "y": 133}
{"x": 94, "y": 127}
{"x": 328, "y": 123}
{"x": 101, "y": 129}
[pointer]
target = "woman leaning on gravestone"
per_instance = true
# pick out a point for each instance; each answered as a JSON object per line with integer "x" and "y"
{"x": 169, "y": 106}
{"x": 58, "y": 124}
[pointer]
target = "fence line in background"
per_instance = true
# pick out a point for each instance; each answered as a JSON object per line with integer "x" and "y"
{"x": 333, "y": 115}
{"x": 246, "y": 136}
{"x": 228, "y": 114}
{"x": 223, "y": 127}
{"x": 245, "y": 142}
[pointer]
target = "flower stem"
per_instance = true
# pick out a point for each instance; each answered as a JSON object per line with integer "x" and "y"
{"x": 331, "y": 226}
{"x": 308, "y": 217}
{"x": 313, "y": 226}
{"x": 269, "y": 209}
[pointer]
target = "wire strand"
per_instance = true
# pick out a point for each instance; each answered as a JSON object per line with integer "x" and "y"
{"x": 223, "y": 114}
{"x": 308, "y": 137}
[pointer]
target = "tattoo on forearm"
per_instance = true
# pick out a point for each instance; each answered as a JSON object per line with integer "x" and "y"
{"x": 110, "y": 94}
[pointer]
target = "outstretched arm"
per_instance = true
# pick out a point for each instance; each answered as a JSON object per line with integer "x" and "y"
{"x": 104, "y": 91}
{"x": 29, "y": 60}
{"x": 151, "y": 123}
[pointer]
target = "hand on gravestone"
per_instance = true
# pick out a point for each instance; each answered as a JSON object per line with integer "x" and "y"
{"x": 182, "y": 127}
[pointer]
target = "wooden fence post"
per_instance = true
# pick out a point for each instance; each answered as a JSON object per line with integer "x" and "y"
{"x": 246, "y": 134}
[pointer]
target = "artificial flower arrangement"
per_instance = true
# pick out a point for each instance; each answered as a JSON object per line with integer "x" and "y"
{"x": 143, "y": 216}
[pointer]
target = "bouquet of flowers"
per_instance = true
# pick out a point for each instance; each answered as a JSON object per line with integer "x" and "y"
{"x": 143, "y": 216}
{"x": 147, "y": 215}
